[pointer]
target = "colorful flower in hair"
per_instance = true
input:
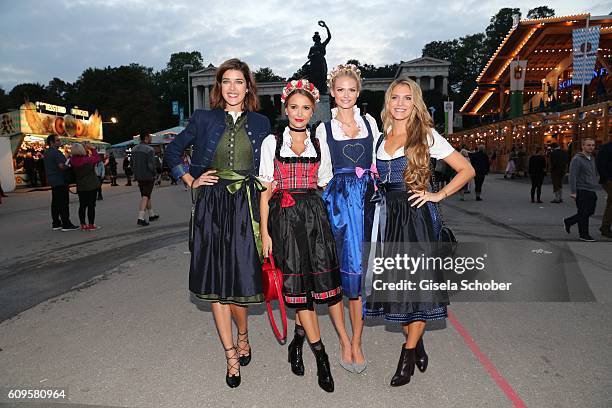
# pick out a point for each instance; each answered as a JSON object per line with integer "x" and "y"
{"x": 303, "y": 84}
{"x": 342, "y": 69}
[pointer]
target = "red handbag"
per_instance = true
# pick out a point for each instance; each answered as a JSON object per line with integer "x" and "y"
{"x": 273, "y": 290}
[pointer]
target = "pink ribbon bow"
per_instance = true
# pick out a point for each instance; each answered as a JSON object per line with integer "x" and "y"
{"x": 359, "y": 171}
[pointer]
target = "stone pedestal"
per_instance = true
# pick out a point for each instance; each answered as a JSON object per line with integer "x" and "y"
{"x": 322, "y": 110}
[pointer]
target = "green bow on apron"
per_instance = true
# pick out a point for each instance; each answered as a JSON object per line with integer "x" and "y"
{"x": 241, "y": 181}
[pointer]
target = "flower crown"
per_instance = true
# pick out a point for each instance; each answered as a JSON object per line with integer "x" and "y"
{"x": 340, "y": 70}
{"x": 303, "y": 84}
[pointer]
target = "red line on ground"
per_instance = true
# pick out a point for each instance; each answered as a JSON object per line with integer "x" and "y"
{"x": 486, "y": 363}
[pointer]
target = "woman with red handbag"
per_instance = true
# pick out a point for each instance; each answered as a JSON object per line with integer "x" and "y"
{"x": 225, "y": 259}
{"x": 295, "y": 225}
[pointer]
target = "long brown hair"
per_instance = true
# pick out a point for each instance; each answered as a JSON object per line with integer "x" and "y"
{"x": 251, "y": 101}
{"x": 419, "y": 129}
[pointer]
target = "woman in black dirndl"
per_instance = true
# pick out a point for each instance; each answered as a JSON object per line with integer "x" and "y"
{"x": 225, "y": 263}
{"x": 406, "y": 218}
{"x": 295, "y": 226}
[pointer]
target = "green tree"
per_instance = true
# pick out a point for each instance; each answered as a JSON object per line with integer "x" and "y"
{"x": 126, "y": 92}
{"x": 32, "y": 92}
{"x": 541, "y": 12}
{"x": 171, "y": 83}
{"x": 266, "y": 74}
{"x": 372, "y": 71}
{"x": 60, "y": 92}
{"x": 5, "y": 101}
{"x": 467, "y": 57}
{"x": 500, "y": 25}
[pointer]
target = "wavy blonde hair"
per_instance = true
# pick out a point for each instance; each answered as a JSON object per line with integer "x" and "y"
{"x": 419, "y": 129}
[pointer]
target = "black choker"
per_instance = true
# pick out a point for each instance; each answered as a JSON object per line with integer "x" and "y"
{"x": 296, "y": 130}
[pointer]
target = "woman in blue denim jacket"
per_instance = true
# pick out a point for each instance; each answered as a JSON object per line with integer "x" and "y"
{"x": 225, "y": 260}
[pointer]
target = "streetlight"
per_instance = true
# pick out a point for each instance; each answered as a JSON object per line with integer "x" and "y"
{"x": 188, "y": 67}
{"x": 112, "y": 120}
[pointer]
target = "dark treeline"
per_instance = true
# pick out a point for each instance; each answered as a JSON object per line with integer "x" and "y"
{"x": 142, "y": 99}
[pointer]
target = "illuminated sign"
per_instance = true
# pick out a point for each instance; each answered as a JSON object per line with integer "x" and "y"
{"x": 78, "y": 112}
{"x": 50, "y": 108}
{"x": 568, "y": 82}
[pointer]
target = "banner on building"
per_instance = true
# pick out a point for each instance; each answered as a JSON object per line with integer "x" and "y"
{"x": 585, "y": 43}
{"x": 448, "y": 117}
{"x": 518, "y": 70}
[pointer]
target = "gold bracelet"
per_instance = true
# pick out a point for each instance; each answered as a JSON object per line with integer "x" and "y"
{"x": 445, "y": 193}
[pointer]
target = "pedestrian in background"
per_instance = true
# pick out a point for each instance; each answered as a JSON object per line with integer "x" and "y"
{"x": 511, "y": 166}
{"x": 55, "y": 168}
{"x": 604, "y": 166}
{"x": 558, "y": 164}
{"x": 127, "y": 169}
{"x": 84, "y": 161}
{"x": 466, "y": 188}
{"x": 29, "y": 165}
{"x": 480, "y": 163}
{"x": 145, "y": 170}
{"x": 583, "y": 186}
{"x": 112, "y": 167}
{"x": 40, "y": 168}
{"x": 100, "y": 173}
{"x": 537, "y": 171}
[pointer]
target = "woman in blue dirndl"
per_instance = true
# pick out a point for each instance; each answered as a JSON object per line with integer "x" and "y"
{"x": 405, "y": 220}
{"x": 349, "y": 139}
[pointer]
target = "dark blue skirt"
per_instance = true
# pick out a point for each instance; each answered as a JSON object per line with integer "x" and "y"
{"x": 416, "y": 229}
{"x": 225, "y": 265}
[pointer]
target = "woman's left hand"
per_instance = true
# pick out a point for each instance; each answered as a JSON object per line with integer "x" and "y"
{"x": 421, "y": 197}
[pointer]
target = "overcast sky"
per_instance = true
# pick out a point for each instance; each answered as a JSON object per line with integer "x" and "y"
{"x": 42, "y": 39}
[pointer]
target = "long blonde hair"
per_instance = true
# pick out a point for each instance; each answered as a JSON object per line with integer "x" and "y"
{"x": 419, "y": 129}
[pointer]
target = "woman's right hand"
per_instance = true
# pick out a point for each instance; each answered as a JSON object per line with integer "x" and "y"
{"x": 207, "y": 178}
{"x": 266, "y": 245}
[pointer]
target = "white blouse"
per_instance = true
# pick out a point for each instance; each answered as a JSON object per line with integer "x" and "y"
{"x": 268, "y": 151}
{"x": 439, "y": 148}
{"x": 338, "y": 132}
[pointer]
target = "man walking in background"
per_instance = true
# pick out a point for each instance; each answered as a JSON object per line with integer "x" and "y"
{"x": 558, "y": 164}
{"x": 604, "y": 166}
{"x": 144, "y": 169}
{"x": 583, "y": 187}
{"x": 480, "y": 162}
{"x": 55, "y": 167}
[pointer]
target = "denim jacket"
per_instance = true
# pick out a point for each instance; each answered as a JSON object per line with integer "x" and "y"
{"x": 204, "y": 131}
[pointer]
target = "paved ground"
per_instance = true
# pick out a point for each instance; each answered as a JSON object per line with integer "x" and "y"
{"x": 107, "y": 316}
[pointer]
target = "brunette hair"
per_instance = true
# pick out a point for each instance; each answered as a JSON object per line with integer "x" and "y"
{"x": 301, "y": 92}
{"x": 251, "y": 101}
{"x": 419, "y": 130}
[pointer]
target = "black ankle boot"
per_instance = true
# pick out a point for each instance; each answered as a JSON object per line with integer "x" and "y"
{"x": 421, "y": 356}
{"x": 295, "y": 353}
{"x": 405, "y": 368}
{"x": 326, "y": 381}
